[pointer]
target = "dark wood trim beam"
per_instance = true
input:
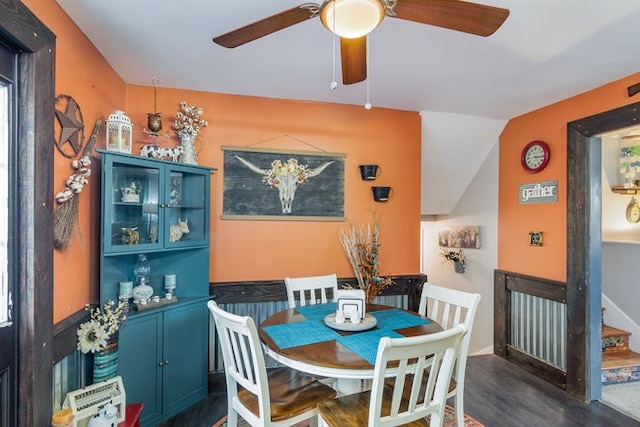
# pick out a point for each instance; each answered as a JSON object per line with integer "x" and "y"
{"x": 22, "y": 29}
{"x": 617, "y": 118}
{"x": 578, "y": 218}
{"x": 501, "y": 312}
{"x": 542, "y": 288}
{"x": 274, "y": 290}
{"x": 24, "y": 33}
{"x": 546, "y": 371}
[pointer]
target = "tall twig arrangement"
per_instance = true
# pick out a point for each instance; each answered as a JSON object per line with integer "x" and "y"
{"x": 361, "y": 247}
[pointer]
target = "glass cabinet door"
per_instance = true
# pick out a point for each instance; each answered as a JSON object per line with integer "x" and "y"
{"x": 186, "y": 207}
{"x": 132, "y": 206}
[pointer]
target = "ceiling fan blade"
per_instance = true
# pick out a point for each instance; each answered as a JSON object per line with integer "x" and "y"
{"x": 473, "y": 18}
{"x": 353, "y": 53}
{"x": 268, "y": 25}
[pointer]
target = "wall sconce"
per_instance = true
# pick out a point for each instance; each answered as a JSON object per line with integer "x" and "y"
{"x": 369, "y": 172}
{"x": 381, "y": 194}
{"x": 119, "y": 132}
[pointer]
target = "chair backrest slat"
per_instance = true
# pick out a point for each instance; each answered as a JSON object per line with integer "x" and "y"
{"x": 450, "y": 307}
{"x": 299, "y": 287}
{"x": 412, "y": 355}
{"x": 243, "y": 358}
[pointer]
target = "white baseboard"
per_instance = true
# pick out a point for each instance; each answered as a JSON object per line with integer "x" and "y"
{"x": 486, "y": 350}
{"x": 616, "y": 318}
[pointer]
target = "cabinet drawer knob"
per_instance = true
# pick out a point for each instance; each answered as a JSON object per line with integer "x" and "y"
{"x": 161, "y": 364}
{"x": 166, "y": 362}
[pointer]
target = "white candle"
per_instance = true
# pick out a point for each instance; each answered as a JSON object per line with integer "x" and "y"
{"x": 169, "y": 281}
{"x": 126, "y": 289}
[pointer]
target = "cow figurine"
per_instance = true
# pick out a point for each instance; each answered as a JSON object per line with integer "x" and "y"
{"x": 157, "y": 152}
{"x": 177, "y": 230}
{"x": 107, "y": 416}
{"x": 130, "y": 235}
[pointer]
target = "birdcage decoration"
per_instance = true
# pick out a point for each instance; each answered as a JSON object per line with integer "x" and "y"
{"x": 119, "y": 129}
{"x": 87, "y": 401}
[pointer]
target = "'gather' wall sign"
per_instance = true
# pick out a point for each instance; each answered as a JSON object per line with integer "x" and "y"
{"x": 538, "y": 192}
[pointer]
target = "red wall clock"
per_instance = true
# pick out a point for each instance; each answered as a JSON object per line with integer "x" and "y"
{"x": 535, "y": 156}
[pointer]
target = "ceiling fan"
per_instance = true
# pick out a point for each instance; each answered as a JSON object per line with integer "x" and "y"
{"x": 352, "y": 20}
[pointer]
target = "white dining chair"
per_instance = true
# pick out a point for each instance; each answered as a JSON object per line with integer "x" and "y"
{"x": 303, "y": 290}
{"x": 281, "y": 397}
{"x": 450, "y": 307}
{"x": 416, "y": 393}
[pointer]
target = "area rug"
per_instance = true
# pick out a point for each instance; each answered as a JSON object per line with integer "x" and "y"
{"x": 449, "y": 420}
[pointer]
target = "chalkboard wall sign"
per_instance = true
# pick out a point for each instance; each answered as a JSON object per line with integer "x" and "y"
{"x": 271, "y": 184}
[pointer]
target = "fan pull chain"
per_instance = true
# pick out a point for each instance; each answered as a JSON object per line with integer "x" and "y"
{"x": 367, "y": 105}
{"x": 334, "y": 83}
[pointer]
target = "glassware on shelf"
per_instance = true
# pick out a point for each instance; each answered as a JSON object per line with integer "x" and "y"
{"x": 169, "y": 285}
{"x": 143, "y": 292}
{"x": 142, "y": 268}
{"x": 629, "y": 154}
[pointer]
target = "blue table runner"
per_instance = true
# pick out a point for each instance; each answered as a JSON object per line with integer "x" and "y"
{"x": 364, "y": 343}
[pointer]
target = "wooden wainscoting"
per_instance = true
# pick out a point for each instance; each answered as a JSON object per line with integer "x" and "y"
{"x": 274, "y": 290}
{"x": 530, "y": 325}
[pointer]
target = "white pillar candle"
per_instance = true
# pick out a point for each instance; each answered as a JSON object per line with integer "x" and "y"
{"x": 169, "y": 281}
{"x": 126, "y": 289}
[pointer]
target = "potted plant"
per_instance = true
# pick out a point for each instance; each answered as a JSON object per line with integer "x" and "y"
{"x": 99, "y": 335}
{"x": 456, "y": 257}
{"x": 187, "y": 125}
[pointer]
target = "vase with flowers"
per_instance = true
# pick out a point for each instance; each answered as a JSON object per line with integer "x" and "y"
{"x": 99, "y": 335}
{"x": 361, "y": 245}
{"x": 458, "y": 259}
{"x": 187, "y": 125}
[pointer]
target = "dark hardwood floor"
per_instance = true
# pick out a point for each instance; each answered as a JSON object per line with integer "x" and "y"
{"x": 498, "y": 393}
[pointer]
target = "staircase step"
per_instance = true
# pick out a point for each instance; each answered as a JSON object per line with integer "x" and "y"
{"x": 620, "y": 366}
{"x": 614, "y": 339}
{"x": 610, "y": 331}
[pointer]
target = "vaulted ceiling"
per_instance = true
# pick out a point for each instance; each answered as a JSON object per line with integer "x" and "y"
{"x": 546, "y": 50}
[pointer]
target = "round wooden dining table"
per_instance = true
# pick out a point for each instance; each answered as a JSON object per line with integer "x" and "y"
{"x": 300, "y": 338}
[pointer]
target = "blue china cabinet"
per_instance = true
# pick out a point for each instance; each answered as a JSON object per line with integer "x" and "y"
{"x": 160, "y": 209}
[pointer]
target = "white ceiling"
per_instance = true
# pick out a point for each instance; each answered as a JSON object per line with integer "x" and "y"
{"x": 547, "y": 50}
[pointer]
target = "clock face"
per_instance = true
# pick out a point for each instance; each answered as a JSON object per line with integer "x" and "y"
{"x": 535, "y": 156}
{"x": 633, "y": 211}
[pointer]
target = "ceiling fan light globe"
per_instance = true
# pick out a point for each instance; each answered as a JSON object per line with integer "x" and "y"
{"x": 353, "y": 18}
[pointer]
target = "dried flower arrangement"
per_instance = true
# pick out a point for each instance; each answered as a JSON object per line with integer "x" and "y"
{"x": 453, "y": 256}
{"x": 361, "y": 247}
{"x": 103, "y": 325}
{"x": 189, "y": 120}
{"x": 291, "y": 168}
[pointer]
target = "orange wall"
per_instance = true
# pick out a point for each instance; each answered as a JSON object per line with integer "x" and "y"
{"x": 82, "y": 73}
{"x": 266, "y": 250}
{"x": 242, "y": 250}
{"x": 548, "y": 124}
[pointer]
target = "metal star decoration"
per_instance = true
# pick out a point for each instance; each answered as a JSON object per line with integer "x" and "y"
{"x": 71, "y": 126}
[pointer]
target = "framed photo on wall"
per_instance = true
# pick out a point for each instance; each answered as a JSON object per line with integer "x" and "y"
{"x": 271, "y": 184}
{"x": 467, "y": 237}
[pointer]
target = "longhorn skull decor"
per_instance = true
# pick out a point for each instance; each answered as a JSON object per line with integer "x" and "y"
{"x": 307, "y": 185}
